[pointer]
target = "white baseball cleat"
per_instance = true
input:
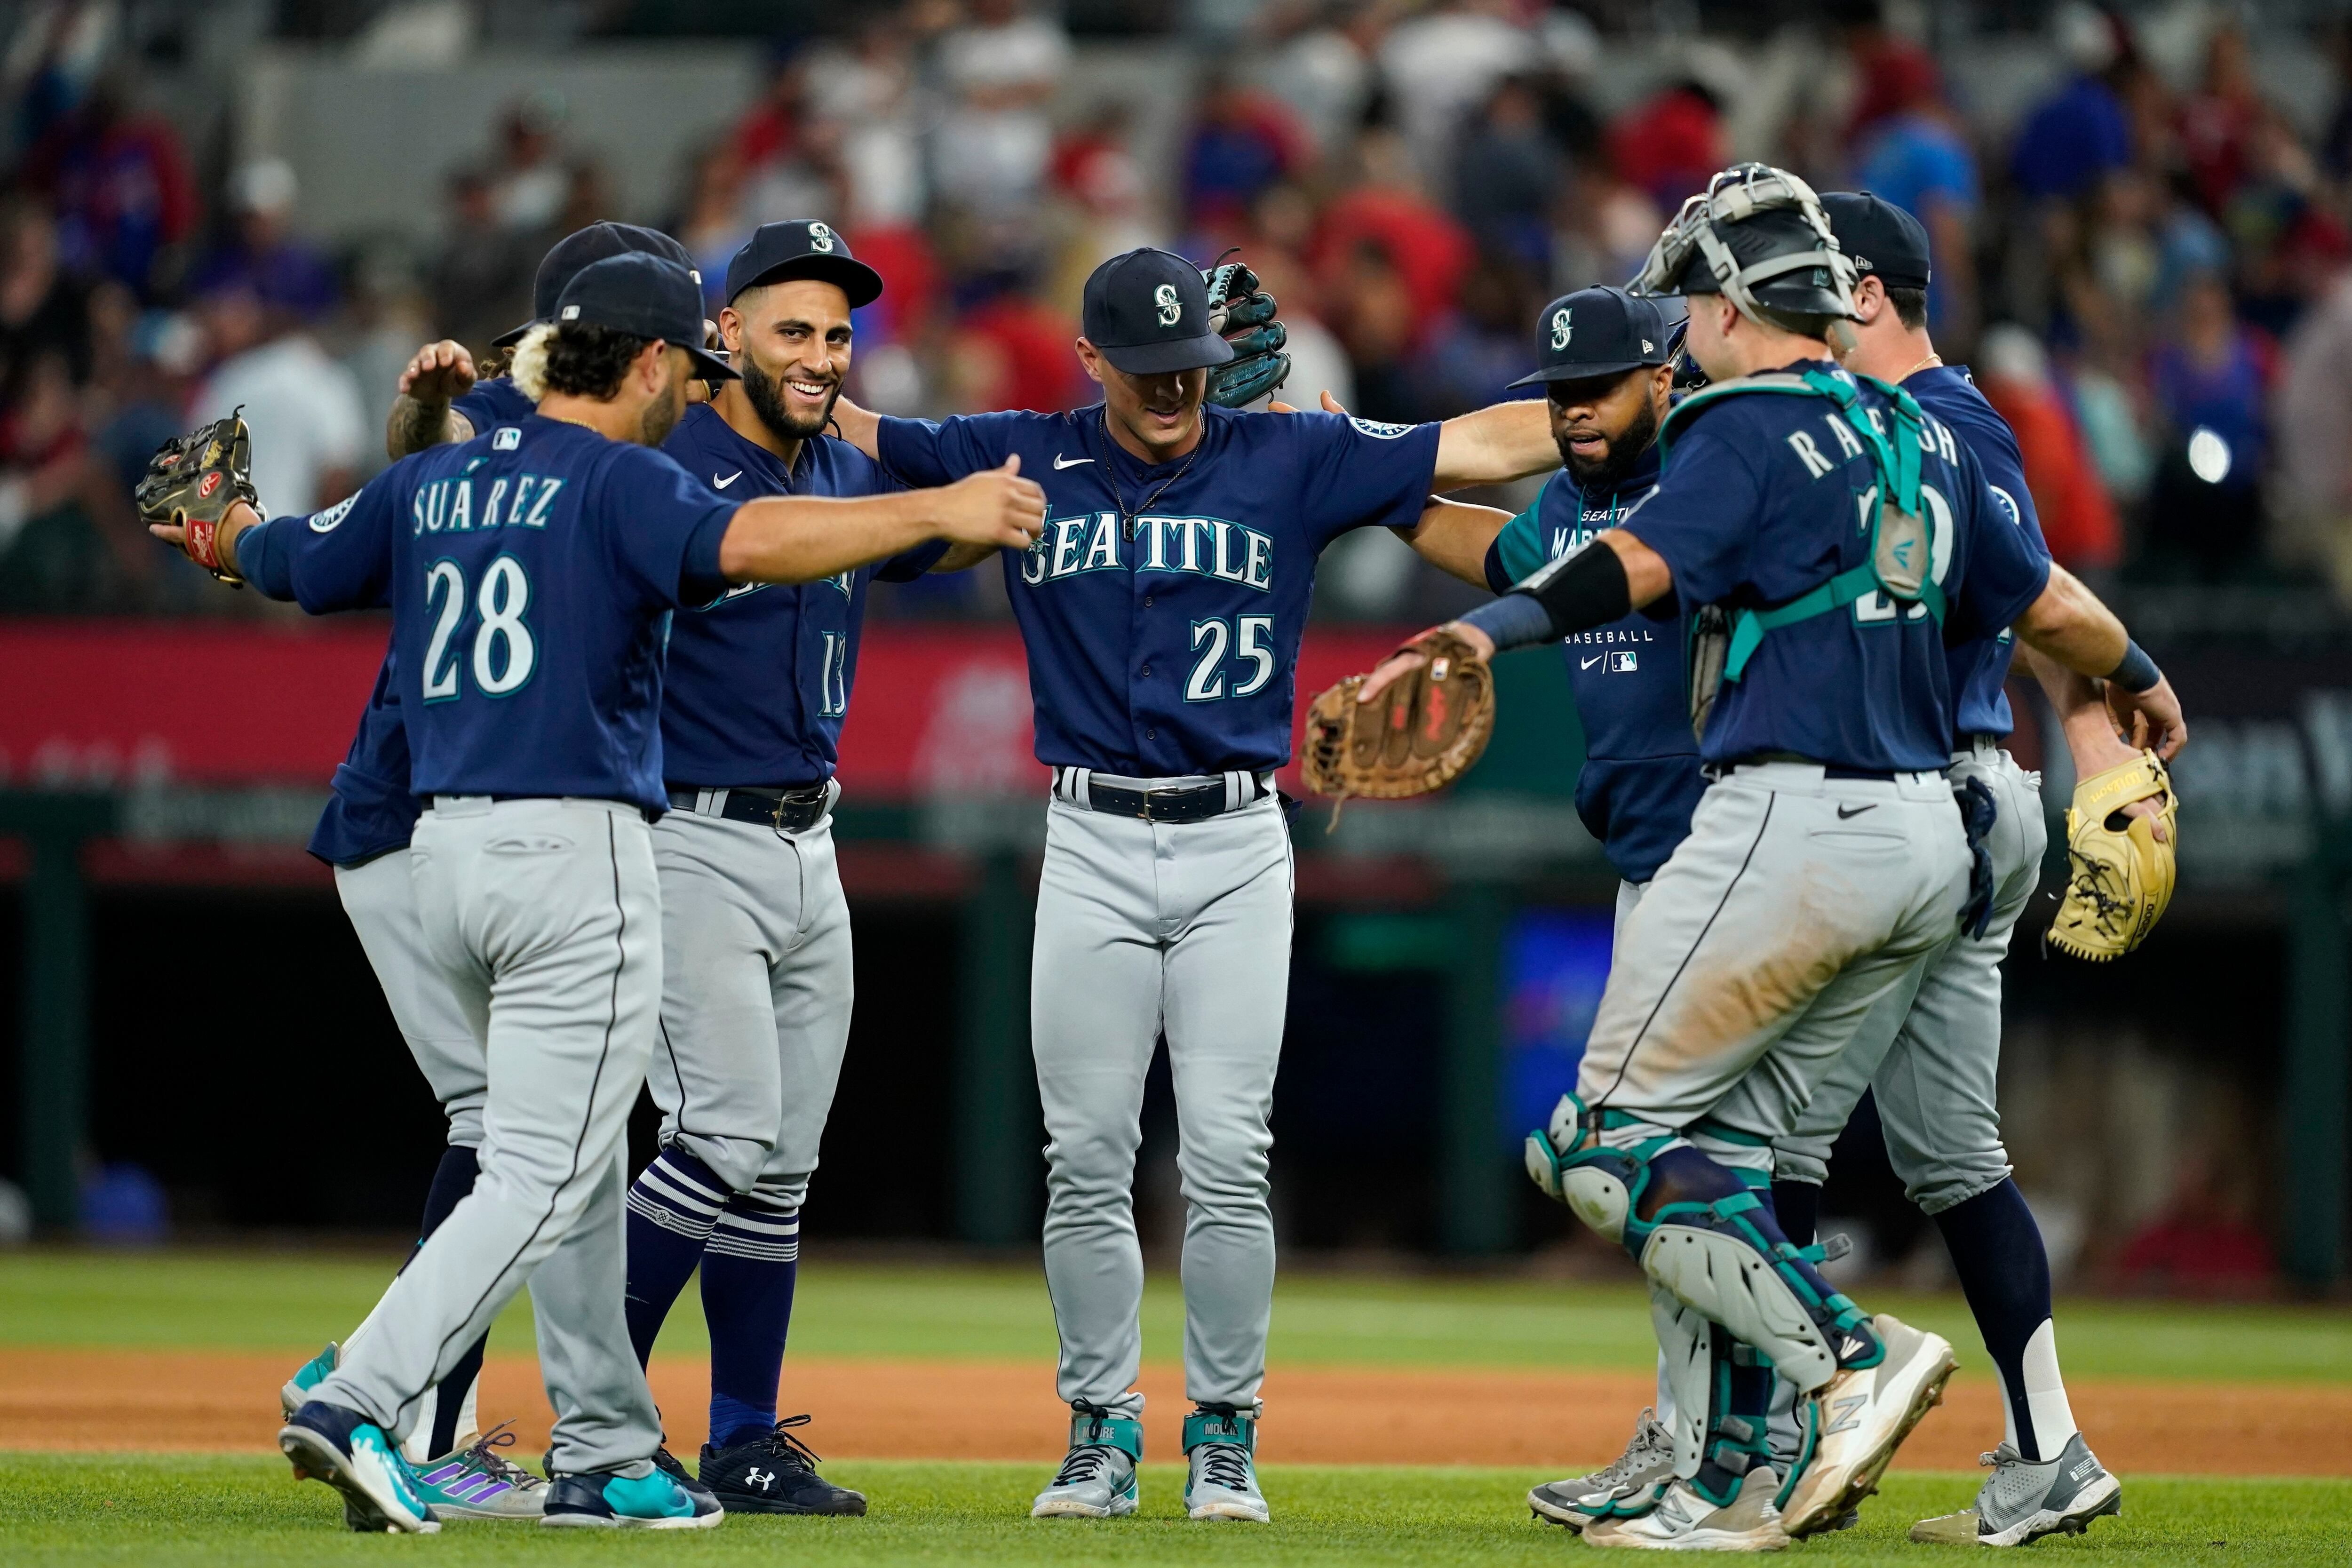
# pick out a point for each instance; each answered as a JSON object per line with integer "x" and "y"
{"x": 1860, "y": 1417}
{"x": 1686, "y": 1519}
{"x": 2020, "y": 1502}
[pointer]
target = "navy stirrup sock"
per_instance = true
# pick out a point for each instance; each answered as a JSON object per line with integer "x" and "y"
{"x": 672, "y": 1205}
{"x": 451, "y": 1180}
{"x": 749, "y": 1271}
{"x": 2004, "y": 1271}
{"x": 1797, "y": 1206}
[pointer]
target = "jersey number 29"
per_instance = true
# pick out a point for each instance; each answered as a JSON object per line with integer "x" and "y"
{"x": 504, "y": 650}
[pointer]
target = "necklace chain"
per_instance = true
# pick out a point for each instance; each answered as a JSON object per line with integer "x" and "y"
{"x": 1110, "y": 475}
{"x": 1933, "y": 358}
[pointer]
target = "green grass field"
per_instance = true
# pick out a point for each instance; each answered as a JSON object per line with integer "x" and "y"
{"x": 185, "y": 1511}
{"x": 179, "y": 1509}
{"x": 285, "y": 1302}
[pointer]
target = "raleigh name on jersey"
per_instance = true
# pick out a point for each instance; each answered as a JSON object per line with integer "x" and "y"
{"x": 1766, "y": 496}
{"x": 1171, "y": 646}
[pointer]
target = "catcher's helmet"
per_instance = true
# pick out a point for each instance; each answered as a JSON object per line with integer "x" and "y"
{"x": 1758, "y": 236}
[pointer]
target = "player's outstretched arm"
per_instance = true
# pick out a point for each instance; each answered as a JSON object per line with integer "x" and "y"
{"x": 1613, "y": 575}
{"x": 2078, "y": 633}
{"x": 421, "y": 414}
{"x": 804, "y": 538}
{"x": 2092, "y": 738}
{"x": 1454, "y": 536}
{"x": 1494, "y": 445}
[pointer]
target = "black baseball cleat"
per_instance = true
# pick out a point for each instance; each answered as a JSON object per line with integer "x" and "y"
{"x": 774, "y": 1472}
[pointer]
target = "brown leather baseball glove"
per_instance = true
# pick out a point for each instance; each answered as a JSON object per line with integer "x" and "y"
{"x": 1425, "y": 731}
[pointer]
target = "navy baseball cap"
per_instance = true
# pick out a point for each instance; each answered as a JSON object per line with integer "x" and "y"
{"x": 1597, "y": 332}
{"x": 582, "y": 248}
{"x": 1881, "y": 237}
{"x": 801, "y": 248}
{"x": 1148, "y": 313}
{"x": 646, "y": 297}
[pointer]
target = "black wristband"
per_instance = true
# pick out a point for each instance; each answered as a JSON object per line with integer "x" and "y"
{"x": 1512, "y": 620}
{"x": 2137, "y": 673}
{"x": 1581, "y": 590}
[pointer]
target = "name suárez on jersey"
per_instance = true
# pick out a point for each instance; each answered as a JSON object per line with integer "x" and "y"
{"x": 1204, "y": 546}
{"x": 446, "y": 505}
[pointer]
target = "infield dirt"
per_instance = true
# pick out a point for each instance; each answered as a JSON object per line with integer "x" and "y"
{"x": 143, "y": 1400}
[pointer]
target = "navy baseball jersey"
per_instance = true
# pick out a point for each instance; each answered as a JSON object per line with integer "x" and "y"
{"x": 1641, "y": 780}
{"x": 1980, "y": 664}
{"x": 371, "y": 812}
{"x": 1163, "y": 605}
{"x": 530, "y": 573}
{"x": 1765, "y": 497}
{"x": 759, "y": 682}
{"x": 496, "y": 401}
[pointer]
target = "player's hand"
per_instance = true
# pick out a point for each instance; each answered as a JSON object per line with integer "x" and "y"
{"x": 234, "y": 521}
{"x": 438, "y": 373}
{"x": 994, "y": 507}
{"x": 1330, "y": 405}
{"x": 2150, "y": 720}
{"x": 2095, "y": 748}
{"x": 1407, "y": 660}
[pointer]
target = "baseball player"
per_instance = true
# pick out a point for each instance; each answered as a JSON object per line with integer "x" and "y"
{"x": 1845, "y": 535}
{"x": 1932, "y": 1054}
{"x": 757, "y": 982}
{"x": 370, "y": 815}
{"x": 530, "y": 572}
{"x": 1162, "y": 608}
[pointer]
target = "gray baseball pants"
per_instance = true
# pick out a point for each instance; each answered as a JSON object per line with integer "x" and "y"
{"x": 543, "y": 918}
{"x": 756, "y": 997}
{"x": 1795, "y": 905}
{"x": 1931, "y": 1048}
{"x": 1145, "y": 930}
{"x": 382, "y": 906}
{"x": 381, "y": 902}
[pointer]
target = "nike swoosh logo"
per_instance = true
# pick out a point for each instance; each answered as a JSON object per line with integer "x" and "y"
{"x": 1845, "y": 814}
{"x": 720, "y": 484}
{"x": 1060, "y": 462}
{"x": 1588, "y": 664}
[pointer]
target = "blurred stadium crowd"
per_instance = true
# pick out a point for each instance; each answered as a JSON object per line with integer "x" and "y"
{"x": 2150, "y": 269}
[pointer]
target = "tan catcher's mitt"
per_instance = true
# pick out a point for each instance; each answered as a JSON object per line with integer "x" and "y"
{"x": 2119, "y": 875}
{"x": 1422, "y": 734}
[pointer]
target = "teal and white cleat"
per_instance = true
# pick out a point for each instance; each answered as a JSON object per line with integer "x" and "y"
{"x": 1221, "y": 1444}
{"x": 355, "y": 1457}
{"x": 1096, "y": 1479}
{"x": 2021, "y": 1502}
{"x": 599, "y": 1499}
{"x": 295, "y": 1392}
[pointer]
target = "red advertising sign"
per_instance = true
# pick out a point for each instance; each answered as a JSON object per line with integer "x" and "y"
{"x": 938, "y": 709}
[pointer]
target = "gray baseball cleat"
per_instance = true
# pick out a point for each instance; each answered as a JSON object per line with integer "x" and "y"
{"x": 1648, "y": 1458}
{"x": 1686, "y": 1520}
{"x": 1096, "y": 1479}
{"x": 1860, "y": 1417}
{"x": 1221, "y": 1444}
{"x": 2022, "y": 1501}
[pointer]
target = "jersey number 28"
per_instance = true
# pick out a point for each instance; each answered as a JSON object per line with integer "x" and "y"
{"x": 504, "y": 650}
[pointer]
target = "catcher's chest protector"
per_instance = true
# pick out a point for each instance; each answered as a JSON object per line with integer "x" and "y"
{"x": 1902, "y": 544}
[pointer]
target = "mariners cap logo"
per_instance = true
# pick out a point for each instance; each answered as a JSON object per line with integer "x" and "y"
{"x": 1171, "y": 311}
{"x": 1559, "y": 330}
{"x": 820, "y": 237}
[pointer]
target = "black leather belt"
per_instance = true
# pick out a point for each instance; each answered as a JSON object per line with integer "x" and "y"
{"x": 1170, "y": 803}
{"x": 1876, "y": 775}
{"x": 792, "y": 810}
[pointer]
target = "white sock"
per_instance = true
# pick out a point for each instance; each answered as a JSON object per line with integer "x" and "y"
{"x": 2045, "y": 1393}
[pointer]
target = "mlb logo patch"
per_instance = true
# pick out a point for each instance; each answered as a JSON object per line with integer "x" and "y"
{"x": 506, "y": 438}
{"x": 1624, "y": 663}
